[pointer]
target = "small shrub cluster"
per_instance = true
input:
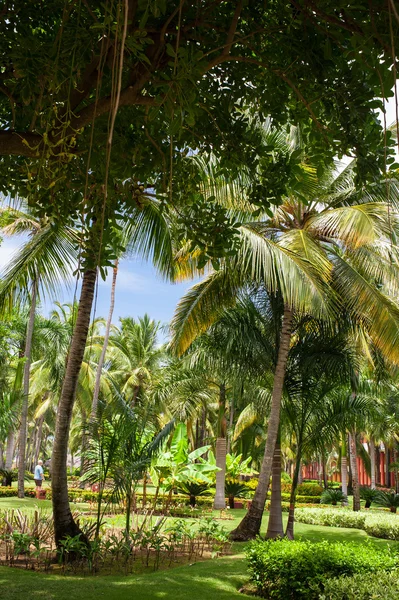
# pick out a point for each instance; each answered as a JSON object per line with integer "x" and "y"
{"x": 27, "y": 540}
{"x": 331, "y": 517}
{"x": 303, "y": 489}
{"x": 284, "y": 570}
{"x": 380, "y": 525}
{"x": 365, "y": 586}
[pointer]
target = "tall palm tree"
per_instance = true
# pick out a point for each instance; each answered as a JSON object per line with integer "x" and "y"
{"x": 318, "y": 255}
{"x": 46, "y": 258}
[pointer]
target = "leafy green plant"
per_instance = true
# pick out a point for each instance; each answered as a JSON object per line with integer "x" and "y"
{"x": 193, "y": 489}
{"x": 284, "y": 569}
{"x": 389, "y": 500}
{"x": 362, "y": 586}
{"x": 330, "y": 496}
{"x": 235, "y": 489}
{"x": 369, "y": 495}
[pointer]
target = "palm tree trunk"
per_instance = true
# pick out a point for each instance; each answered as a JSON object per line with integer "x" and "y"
{"x": 10, "y": 448}
{"x": 220, "y": 499}
{"x": 63, "y": 521}
{"x": 231, "y": 421}
{"x": 355, "y": 475}
{"x": 372, "y": 462}
{"x": 251, "y": 523}
{"x": 221, "y": 451}
{"x": 25, "y": 401}
{"x": 289, "y": 532}
{"x": 344, "y": 466}
{"x": 275, "y": 525}
{"x": 39, "y": 437}
{"x": 100, "y": 365}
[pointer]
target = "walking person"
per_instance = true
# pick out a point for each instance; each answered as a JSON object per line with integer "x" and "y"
{"x": 39, "y": 475}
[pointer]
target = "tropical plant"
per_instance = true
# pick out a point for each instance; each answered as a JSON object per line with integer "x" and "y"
{"x": 235, "y": 489}
{"x": 389, "y": 500}
{"x": 331, "y": 496}
{"x": 193, "y": 489}
{"x": 317, "y": 255}
{"x": 369, "y": 495}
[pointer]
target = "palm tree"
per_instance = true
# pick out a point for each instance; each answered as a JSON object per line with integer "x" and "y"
{"x": 319, "y": 255}
{"x": 46, "y": 257}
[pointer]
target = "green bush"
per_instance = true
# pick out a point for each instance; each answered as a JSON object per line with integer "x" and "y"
{"x": 369, "y": 495}
{"x": 331, "y": 517}
{"x": 380, "y": 525}
{"x": 365, "y": 586}
{"x": 333, "y": 497}
{"x": 8, "y": 492}
{"x": 301, "y": 499}
{"x": 283, "y": 569}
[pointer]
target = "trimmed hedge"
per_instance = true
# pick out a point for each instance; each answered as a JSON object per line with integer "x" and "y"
{"x": 284, "y": 569}
{"x": 303, "y": 489}
{"x": 365, "y": 586}
{"x": 9, "y": 492}
{"x": 380, "y": 525}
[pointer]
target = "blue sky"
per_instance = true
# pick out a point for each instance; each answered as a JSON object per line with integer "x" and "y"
{"x": 139, "y": 289}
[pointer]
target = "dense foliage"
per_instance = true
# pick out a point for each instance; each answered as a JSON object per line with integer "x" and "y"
{"x": 282, "y": 569}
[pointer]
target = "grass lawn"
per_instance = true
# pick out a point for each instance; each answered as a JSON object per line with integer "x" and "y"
{"x": 217, "y": 579}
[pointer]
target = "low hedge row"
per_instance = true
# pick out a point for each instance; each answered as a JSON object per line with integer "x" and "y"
{"x": 283, "y": 569}
{"x": 364, "y": 586}
{"x": 381, "y": 525}
{"x": 304, "y": 489}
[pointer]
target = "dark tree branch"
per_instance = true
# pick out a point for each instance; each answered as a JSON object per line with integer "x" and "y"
{"x": 20, "y": 144}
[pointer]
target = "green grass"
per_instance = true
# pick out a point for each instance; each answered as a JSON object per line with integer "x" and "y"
{"x": 218, "y": 579}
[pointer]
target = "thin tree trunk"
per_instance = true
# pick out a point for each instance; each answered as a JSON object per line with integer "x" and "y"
{"x": 251, "y": 523}
{"x": 395, "y": 460}
{"x": 25, "y": 401}
{"x": 324, "y": 472}
{"x": 1, "y": 456}
{"x": 10, "y": 448}
{"x": 289, "y": 532}
{"x": 84, "y": 446}
{"x": 63, "y": 521}
{"x": 275, "y": 524}
{"x": 355, "y": 476}
{"x": 372, "y": 463}
{"x": 203, "y": 428}
{"x": 220, "y": 499}
{"x": 221, "y": 451}
{"x": 39, "y": 437}
{"x": 231, "y": 421}
{"x": 344, "y": 467}
{"x": 100, "y": 365}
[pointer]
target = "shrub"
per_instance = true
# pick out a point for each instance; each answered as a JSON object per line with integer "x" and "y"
{"x": 369, "y": 495}
{"x": 331, "y": 517}
{"x": 388, "y": 499}
{"x": 235, "y": 489}
{"x": 381, "y": 525}
{"x": 309, "y": 489}
{"x": 331, "y": 496}
{"x": 285, "y": 477}
{"x": 365, "y": 586}
{"x": 284, "y": 569}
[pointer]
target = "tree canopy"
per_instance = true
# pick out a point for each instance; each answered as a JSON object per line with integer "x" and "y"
{"x": 157, "y": 80}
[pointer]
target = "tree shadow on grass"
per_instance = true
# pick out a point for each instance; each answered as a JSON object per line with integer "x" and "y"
{"x": 218, "y": 579}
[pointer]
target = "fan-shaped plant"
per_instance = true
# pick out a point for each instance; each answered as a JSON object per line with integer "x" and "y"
{"x": 235, "y": 489}
{"x": 369, "y": 495}
{"x": 194, "y": 489}
{"x": 331, "y": 496}
{"x": 389, "y": 500}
